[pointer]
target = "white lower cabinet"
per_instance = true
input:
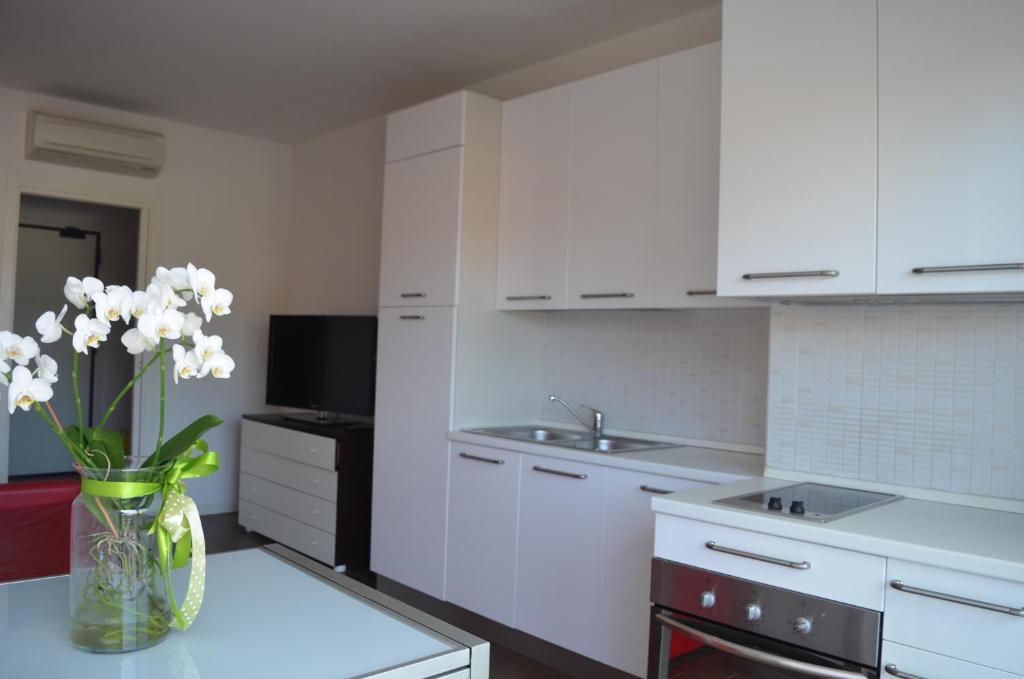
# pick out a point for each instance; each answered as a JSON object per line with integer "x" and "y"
{"x": 559, "y": 589}
{"x": 903, "y": 662}
{"x": 483, "y": 518}
{"x": 629, "y": 544}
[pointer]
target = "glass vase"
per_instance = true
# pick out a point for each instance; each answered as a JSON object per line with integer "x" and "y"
{"x": 119, "y": 600}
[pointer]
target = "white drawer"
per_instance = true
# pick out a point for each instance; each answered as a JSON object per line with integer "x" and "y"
{"x": 836, "y": 574}
{"x": 900, "y": 660}
{"x": 287, "y": 531}
{"x": 314, "y": 511}
{"x": 295, "y": 445}
{"x": 955, "y": 629}
{"x": 312, "y": 480}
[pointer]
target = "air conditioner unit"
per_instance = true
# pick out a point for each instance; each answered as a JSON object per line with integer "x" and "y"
{"x": 93, "y": 145}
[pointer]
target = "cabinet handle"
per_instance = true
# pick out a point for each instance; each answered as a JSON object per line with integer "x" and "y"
{"x": 897, "y": 672}
{"x": 656, "y": 491}
{"x": 412, "y": 317}
{"x": 606, "y": 295}
{"x": 826, "y": 273}
{"x": 480, "y": 458}
{"x": 798, "y": 565}
{"x": 952, "y": 598}
{"x": 1011, "y": 266}
{"x": 526, "y": 298}
{"x": 406, "y": 295}
{"x": 699, "y": 293}
{"x": 558, "y": 472}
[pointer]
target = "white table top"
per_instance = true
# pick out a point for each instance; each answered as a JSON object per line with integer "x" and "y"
{"x": 262, "y": 617}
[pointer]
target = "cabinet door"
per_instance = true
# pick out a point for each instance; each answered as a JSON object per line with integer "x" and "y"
{"x": 611, "y": 213}
{"x": 951, "y": 143}
{"x": 798, "y": 164}
{"x": 420, "y": 230}
{"x": 561, "y": 547}
{"x": 410, "y": 457}
{"x": 629, "y": 548}
{"x": 534, "y": 203}
{"x": 483, "y": 508}
{"x": 904, "y": 661}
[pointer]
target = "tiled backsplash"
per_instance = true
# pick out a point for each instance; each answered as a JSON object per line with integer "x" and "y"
{"x": 930, "y": 396}
{"x": 698, "y": 374}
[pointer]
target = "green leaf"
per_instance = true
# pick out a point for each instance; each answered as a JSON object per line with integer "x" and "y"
{"x": 101, "y": 448}
{"x": 183, "y": 441}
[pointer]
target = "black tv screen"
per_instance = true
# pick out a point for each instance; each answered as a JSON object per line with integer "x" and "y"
{"x": 323, "y": 363}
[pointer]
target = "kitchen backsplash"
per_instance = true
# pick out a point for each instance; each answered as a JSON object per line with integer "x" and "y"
{"x": 930, "y": 396}
{"x": 698, "y": 374}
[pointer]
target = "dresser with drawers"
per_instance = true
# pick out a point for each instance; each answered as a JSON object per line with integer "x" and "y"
{"x": 308, "y": 486}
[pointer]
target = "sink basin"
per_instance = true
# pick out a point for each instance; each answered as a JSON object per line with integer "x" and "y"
{"x": 568, "y": 438}
{"x": 538, "y": 434}
{"x": 614, "y": 444}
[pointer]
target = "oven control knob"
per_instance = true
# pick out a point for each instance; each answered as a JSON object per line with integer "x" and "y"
{"x": 753, "y": 612}
{"x": 802, "y": 626}
{"x": 707, "y": 599}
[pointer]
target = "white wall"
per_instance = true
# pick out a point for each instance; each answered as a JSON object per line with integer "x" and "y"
{"x": 222, "y": 202}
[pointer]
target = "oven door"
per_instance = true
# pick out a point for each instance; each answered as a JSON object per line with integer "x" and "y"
{"x": 684, "y": 646}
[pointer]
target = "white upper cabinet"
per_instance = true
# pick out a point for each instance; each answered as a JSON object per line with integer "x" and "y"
{"x": 798, "y": 160}
{"x": 612, "y": 192}
{"x": 458, "y": 119}
{"x": 420, "y": 230}
{"x": 951, "y": 146}
{"x": 536, "y": 133}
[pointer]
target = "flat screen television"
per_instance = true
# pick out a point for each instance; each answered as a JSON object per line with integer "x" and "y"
{"x": 323, "y": 363}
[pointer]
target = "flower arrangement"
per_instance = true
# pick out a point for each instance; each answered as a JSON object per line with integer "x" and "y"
{"x": 121, "y": 593}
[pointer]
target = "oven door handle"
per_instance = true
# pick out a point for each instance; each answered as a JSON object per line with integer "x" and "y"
{"x": 769, "y": 659}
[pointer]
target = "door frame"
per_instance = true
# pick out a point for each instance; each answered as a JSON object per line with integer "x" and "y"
{"x": 9, "y": 220}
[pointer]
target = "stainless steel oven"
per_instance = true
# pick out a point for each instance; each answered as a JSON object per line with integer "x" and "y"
{"x": 720, "y": 627}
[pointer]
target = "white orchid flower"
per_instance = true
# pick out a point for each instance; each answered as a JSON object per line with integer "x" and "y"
{"x": 186, "y": 363}
{"x": 48, "y": 325}
{"x": 135, "y": 342}
{"x": 80, "y": 292}
{"x": 207, "y": 346}
{"x": 46, "y": 369}
{"x": 16, "y": 348}
{"x": 202, "y": 281}
{"x": 89, "y": 332}
{"x": 164, "y": 296}
{"x": 157, "y": 324}
{"x": 176, "y": 278}
{"x": 140, "y": 301}
{"x": 217, "y": 303}
{"x": 114, "y": 304}
{"x": 25, "y": 390}
{"x": 220, "y": 366}
{"x": 5, "y": 373}
{"x": 192, "y": 323}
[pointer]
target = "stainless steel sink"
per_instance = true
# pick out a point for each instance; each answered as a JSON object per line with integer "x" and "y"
{"x": 536, "y": 434}
{"x": 567, "y": 438}
{"x": 612, "y": 444}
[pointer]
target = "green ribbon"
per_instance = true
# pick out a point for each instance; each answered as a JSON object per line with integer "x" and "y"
{"x": 179, "y": 532}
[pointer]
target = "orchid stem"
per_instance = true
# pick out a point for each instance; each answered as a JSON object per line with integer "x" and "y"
{"x": 163, "y": 401}
{"x": 53, "y": 414}
{"x": 124, "y": 392}
{"x": 61, "y": 436}
{"x": 78, "y": 401}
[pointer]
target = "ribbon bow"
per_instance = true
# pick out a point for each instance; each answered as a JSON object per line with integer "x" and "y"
{"x": 179, "y": 532}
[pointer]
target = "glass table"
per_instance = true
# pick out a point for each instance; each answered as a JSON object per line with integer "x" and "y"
{"x": 268, "y": 612}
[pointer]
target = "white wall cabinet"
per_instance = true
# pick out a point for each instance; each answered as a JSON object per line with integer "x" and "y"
{"x": 559, "y": 588}
{"x": 536, "y": 133}
{"x": 951, "y": 140}
{"x": 798, "y": 160}
{"x": 483, "y": 521}
{"x": 410, "y": 475}
{"x": 612, "y": 192}
{"x": 903, "y": 661}
{"x": 629, "y": 544}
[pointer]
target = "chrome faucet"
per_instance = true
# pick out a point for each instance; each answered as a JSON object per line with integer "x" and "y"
{"x": 596, "y": 426}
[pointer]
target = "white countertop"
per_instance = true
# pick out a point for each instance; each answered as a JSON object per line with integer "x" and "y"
{"x": 709, "y": 465}
{"x": 981, "y": 541}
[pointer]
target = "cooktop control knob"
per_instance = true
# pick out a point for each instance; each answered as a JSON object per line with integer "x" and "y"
{"x": 753, "y": 612}
{"x": 797, "y": 507}
{"x": 775, "y": 503}
{"x": 707, "y": 599}
{"x": 802, "y": 626}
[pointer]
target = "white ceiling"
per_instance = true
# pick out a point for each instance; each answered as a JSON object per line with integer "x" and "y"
{"x": 290, "y": 69}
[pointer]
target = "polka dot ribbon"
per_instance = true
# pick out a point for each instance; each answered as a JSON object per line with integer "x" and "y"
{"x": 180, "y": 520}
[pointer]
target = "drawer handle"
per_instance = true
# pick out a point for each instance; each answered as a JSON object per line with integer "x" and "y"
{"x": 1010, "y": 266}
{"x": 897, "y": 672}
{"x": 606, "y": 295}
{"x": 412, "y": 317}
{"x": 527, "y": 298}
{"x": 656, "y": 491}
{"x": 700, "y": 293}
{"x": 559, "y": 472}
{"x": 824, "y": 273}
{"x": 480, "y": 458}
{"x": 798, "y": 565}
{"x": 407, "y": 295}
{"x": 953, "y": 598}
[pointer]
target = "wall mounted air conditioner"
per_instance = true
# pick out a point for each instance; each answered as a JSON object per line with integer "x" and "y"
{"x": 93, "y": 145}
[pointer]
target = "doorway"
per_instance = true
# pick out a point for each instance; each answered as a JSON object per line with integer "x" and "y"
{"x": 58, "y": 238}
